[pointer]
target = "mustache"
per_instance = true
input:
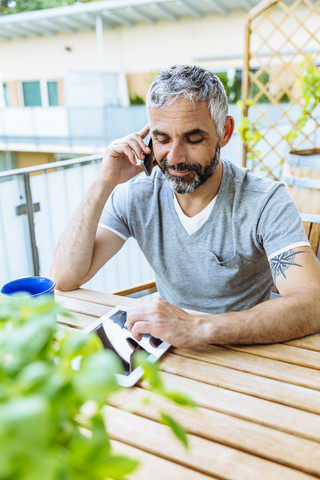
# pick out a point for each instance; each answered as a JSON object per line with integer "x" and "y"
{"x": 181, "y": 166}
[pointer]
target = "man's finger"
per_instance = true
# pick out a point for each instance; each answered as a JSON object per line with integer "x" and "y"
{"x": 133, "y": 316}
{"x": 139, "y": 328}
{"x": 144, "y": 132}
{"x": 138, "y": 146}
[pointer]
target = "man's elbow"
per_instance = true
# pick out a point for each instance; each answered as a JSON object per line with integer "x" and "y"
{"x": 66, "y": 286}
{"x": 63, "y": 282}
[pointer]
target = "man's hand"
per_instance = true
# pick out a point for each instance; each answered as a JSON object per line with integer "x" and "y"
{"x": 84, "y": 248}
{"x": 165, "y": 321}
{"x": 119, "y": 162}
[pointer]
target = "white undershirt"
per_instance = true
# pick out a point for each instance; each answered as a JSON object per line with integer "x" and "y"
{"x": 192, "y": 224}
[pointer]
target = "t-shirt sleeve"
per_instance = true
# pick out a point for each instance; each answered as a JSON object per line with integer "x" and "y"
{"x": 280, "y": 226}
{"x": 114, "y": 214}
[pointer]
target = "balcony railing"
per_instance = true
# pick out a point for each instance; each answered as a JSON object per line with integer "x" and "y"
{"x": 67, "y": 129}
{"x": 36, "y": 203}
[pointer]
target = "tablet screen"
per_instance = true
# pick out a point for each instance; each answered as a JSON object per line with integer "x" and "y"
{"x": 116, "y": 337}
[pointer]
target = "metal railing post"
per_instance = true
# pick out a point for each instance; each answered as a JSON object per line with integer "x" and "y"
{"x": 28, "y": 209}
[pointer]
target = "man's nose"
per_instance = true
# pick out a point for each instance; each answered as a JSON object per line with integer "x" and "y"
{"x": 176, "y": 154}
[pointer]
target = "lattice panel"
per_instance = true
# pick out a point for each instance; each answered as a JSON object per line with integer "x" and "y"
{"x": 280, "y": 35}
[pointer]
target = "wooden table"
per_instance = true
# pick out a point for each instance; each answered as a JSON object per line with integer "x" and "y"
{"x": 257, "y": 416}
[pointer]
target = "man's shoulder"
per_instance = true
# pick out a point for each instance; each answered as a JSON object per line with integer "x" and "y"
{"x": 244, "y": 179}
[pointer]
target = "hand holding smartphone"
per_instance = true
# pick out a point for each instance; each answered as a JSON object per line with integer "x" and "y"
{"x": 149, "y": 160}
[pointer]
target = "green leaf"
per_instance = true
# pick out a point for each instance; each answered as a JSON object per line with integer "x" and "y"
{"x": 26, "y": 343}
{"x": 34, "y": 375}
{"x": 73, "y": 344}
{"x": 96, "y": 378}
{"x": 176, "y": 428}
{"x": 97, "y": 463}
{"x": 151, "y": 370}
{"x": 24, "y": 425}
{"x": 118, "y": 466}
{"x": 179, "y": 398}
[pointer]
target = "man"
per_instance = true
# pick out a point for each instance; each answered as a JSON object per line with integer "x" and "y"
{"x": 212, "y": 232}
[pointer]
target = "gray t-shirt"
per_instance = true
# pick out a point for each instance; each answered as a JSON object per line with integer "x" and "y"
{"x": 224, "y": 265}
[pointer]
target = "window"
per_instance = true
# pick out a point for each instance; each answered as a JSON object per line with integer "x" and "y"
{"x": 8, "y": 161}
{"x": 40, "y": 93}
{"x": 31, "y": 94}
{"x": 5, "y": 94}
{"x": 52, "y": 88}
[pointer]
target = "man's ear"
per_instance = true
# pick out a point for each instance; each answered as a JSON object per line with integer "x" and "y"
{"x": 227, "y": 131}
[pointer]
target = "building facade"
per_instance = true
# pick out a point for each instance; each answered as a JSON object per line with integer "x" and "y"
{"x": 72, "y": 78}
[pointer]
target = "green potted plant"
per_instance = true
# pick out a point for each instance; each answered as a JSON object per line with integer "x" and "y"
{"x": 309, "y": 83}
{"x": 302, "y": 166}
{"x": 45, "y": 430}
{"x": 248, "y": 132}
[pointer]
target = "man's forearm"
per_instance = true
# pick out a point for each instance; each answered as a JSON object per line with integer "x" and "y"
{"x": 276, "y": 320}
{"x": 284, "y": 318}
{"x": 74, "y": 251}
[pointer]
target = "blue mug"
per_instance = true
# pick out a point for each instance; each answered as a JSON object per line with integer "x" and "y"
{"x": 33, "y": 286}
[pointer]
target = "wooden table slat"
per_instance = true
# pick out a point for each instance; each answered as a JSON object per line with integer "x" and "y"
{"x": 254, "y": 385}
{"x": 223, "y": 461}
{"x": 311, "y": 342}
{"x": 99, "y": 298}
{"x": 232, "y": 432}
{"x": 295, "y": 374}
{"x": 240, "y": 405}
{"x": 156, "y": 468}
{"x": 283, "y": 353}
{"x": 79, "y": 321}
{"x": 81, "y": 306}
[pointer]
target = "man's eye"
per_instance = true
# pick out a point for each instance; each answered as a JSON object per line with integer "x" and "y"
{"x": 195, "y": 139}
{"x": 162, "y": 139}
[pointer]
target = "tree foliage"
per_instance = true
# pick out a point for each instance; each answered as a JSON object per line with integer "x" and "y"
{"x": 8, "y": 7}
{"x": 232, "y": 86}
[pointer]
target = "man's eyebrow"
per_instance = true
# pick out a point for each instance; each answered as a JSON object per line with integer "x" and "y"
{"x": 195, "y": 131}
{"x": 158, "y": 132}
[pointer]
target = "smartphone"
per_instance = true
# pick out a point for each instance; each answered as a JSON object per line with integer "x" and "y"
{"x": 149, "y": 160}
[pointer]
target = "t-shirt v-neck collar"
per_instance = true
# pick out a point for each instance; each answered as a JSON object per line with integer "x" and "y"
{"x": 193, "y": 224}
{"x": 214, "y": 210}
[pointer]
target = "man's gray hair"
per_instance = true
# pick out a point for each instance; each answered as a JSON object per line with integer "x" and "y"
{"x": 193, "y": 83}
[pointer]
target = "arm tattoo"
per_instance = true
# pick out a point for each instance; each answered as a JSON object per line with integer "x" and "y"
{"x": 282, "y": 262}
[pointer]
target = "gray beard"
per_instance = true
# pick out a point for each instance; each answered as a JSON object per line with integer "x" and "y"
{"x": 201, "y": 174}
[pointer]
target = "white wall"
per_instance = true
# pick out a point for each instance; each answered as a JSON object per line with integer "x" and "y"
{"x": 186, "y": 41}
{"x": 141, "y": 48}
{"x": 44, "y": 57}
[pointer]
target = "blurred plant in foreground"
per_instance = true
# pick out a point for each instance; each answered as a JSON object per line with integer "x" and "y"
{"x": 42, "y": 397}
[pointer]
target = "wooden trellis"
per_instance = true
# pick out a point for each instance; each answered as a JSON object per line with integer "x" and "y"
{"x": 280, "y": 35}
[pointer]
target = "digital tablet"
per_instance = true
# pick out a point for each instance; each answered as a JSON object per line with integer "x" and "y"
{"x": 116, "y": 337}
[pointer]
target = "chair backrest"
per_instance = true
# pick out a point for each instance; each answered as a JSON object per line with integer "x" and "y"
{"x": 311, "y": 225}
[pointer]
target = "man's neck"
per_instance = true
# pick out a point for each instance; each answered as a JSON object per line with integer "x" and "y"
{"x": 193, "y": 203}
